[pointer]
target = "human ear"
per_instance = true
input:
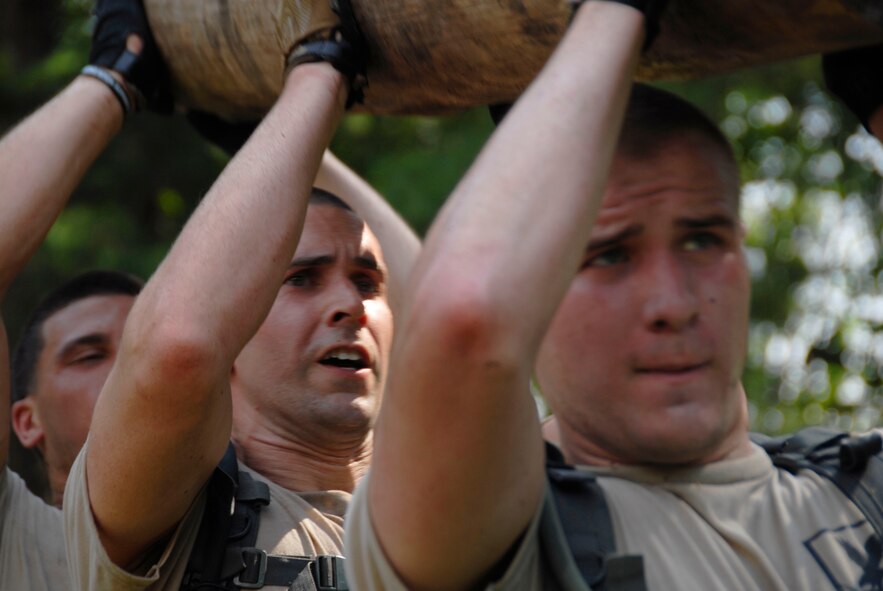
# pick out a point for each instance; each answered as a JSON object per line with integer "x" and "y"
{"x": 27, "y": 424}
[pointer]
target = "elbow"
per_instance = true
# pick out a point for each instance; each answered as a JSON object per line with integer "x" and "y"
{"x": 463, "y": 317}
{"x": 174, "y": 355}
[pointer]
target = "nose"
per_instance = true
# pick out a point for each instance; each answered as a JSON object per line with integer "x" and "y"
{"x": 346, "y": 305}
{"x": 671, "y": 303}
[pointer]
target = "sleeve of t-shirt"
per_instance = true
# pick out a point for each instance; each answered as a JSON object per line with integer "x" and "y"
{"x": 368, "y": 569}
{"x": 31, "y": 547}
{"x": 90, "y": 567}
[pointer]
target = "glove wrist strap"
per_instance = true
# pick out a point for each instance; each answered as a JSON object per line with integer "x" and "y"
{"x": 127, "y": 66}
{"x": 340, "y": 54}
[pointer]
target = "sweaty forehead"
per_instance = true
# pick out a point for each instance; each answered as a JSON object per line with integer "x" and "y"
{"x": 93, "y": 314}
{"x": 331, "y": 230}
{"x": 689, "y": 168}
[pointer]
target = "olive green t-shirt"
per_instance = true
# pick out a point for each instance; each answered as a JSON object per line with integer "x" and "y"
{"x": 296, "y": 524}
{"x": 32, "y": 555}
{"x": 737, "y": 524}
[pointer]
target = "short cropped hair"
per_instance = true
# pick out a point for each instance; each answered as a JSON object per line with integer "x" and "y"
{"x": 322, "y": 197}
{"x": 30, "y": 344}
{"x": 655, "y": 116}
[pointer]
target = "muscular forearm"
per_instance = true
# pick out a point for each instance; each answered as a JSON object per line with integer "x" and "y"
{"x": 399, "y": 243}
{"x": 43, "y": 159}
{"x": 229, "y": 260}
{"x": 533, "y": 194}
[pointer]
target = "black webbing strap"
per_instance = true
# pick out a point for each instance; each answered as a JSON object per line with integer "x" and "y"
{"x": 853, "y": 463}
{"x": 207, "y": 559}
{"x": 224, "y": 555}
{"x": 251, "y": 496}
{"x": 585, "y": 519}
{"x": 298, "y": 573}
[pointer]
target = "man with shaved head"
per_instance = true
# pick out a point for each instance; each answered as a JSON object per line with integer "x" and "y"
{"x": 596, "y": 246}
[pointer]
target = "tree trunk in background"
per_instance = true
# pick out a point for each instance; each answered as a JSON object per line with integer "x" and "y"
{"x": 435, "y": 56}
{"x": 29, "y": 29}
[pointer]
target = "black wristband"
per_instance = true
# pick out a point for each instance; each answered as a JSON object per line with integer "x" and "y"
{"x": 112, "y": 83}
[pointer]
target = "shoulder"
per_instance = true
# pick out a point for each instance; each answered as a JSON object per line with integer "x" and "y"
{"x": 524, "y": 569}
{"x": 20, "y": 505}
{"x": 91, "y": 567}
{"x": 31, "y": 539}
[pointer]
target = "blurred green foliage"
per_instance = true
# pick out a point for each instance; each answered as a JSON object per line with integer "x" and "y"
{"x": 811, "y": 204}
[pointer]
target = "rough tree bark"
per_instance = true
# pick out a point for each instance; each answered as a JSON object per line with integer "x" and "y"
{"x": 435, "y": 56}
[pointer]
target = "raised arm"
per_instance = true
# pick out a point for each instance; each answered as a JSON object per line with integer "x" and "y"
{"x": 458, "y": 466}
{"x": 163, "y": 419}
{"x": 45, "y": 157}
{"x": 42, "y": 160}
{"x": 398, "y": 241}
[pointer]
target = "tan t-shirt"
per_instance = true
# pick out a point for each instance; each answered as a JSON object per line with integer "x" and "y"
{"x": 297, "y": 524}
{"x": 740, "y": 524}
{"x": 31, "y": 542}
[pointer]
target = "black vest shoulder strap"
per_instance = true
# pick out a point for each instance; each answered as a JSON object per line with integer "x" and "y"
{"x": 209, "y": 551}
{"x": 853, "y": 463}
{"x": 224, "y": 555}
{"x": 585, "y": 519}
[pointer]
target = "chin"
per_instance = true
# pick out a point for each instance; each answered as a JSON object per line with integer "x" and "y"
{"x": 683, "y": 444}
{"x": 348, "y": 411}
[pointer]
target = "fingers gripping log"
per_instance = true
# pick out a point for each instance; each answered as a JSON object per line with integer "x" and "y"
{"x": 436, "y": 56}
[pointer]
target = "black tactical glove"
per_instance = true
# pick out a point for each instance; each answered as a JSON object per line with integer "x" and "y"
{"x": 855, "y": 76}
{"x": 224, "y": 134}
{"x": 652, "y": 10}
{"x": 145, "y": 74}
{"x": 327, "y": 31}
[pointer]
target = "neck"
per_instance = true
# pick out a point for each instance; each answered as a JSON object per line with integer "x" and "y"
{"x": 727, "y": 440}
{"x": 304, "y": 466}
{"x": 57, "y": 479}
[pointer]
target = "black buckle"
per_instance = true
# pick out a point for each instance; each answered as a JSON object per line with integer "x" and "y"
{"x": 857, "y": 450}
{"x": 255, "y": 560}
{"x": 328, "y": 573}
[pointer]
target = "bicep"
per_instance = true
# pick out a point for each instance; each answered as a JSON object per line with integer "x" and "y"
{"x": 147, "y": 459}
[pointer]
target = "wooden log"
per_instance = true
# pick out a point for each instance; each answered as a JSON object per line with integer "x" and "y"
{"x": 436, "y": 56}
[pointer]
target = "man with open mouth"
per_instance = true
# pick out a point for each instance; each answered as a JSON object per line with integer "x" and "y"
{"x": 268, "y": 323}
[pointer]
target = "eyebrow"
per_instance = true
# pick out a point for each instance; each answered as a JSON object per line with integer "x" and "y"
{"x": 629, "y": 232}
{"x": 707, "y": 222}
{"x": 317, "y": 261}
{"x": 710, "y": 221}
{"x": 367, "y": 262}
{"x": 85, "y": 340}
{"x": 363, "y": 261}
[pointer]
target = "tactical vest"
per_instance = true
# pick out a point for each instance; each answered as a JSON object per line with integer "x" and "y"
{"x": 224, "y": 555}
{"x": 853, "y": 463}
